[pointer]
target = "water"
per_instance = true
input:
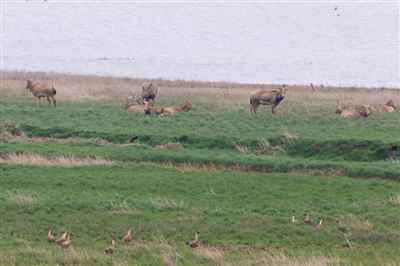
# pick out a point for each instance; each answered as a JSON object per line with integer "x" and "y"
{"x": 357, "y": 44}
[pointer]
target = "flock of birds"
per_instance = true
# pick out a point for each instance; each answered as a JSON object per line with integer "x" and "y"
{"x": 65, "y": 241}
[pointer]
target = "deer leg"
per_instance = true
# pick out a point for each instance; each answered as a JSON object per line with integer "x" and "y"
{"x": 54, "y": 101}
{"x": 48, "y": 99}
{"x": 255, "y": 107}
{"x": 273, "y": 108}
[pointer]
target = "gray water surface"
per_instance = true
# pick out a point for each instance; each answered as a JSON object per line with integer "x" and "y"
{"x": 335, "y": 43}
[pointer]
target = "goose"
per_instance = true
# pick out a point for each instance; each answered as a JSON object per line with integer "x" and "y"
{"x": 66, "y": 243}
{"x": 50, "y": 236}
{"x": 319, "y": 224}
{"x": 128, "y": 236}
{"x": 110, "y": 250}
{"x": 195, "y": 242}
{"x": 63, "y": 237}
{"x": 307, "y": 219}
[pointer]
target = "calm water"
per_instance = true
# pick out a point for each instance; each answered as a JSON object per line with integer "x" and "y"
{"x": 322, "y": 42}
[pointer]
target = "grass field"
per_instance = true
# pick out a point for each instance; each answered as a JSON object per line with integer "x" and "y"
{"x": 234, "y": 177}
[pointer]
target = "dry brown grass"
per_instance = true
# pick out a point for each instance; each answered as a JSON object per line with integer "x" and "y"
{"x": 283, "y": 260}
{"x": 169, "y": 146}
{"x": 80, "y": 87}
{"x": 62, "y": 161}
{"x": 354, "y": 223}
{"x": 214, "y": 254}
{"x": 8, "y": 137}
{"x": 212, "y": 168}
{"x": 195, "y": 167}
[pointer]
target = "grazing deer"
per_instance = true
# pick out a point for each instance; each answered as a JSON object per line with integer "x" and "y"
{"x": 266, "y": 97}
{"x": 40, "y": 90}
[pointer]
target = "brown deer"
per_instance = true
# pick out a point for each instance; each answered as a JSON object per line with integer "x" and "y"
{"x": 389, "y": 107}
{"x": 266, "y": 97}
{"x": 172, "y": 110}
{"x": 149, "y": 92}
{"x": 41, "y": 90}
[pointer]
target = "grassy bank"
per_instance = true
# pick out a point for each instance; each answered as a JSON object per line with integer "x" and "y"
{"x": 235, "y": 177}
{"x": 165, "y": 207}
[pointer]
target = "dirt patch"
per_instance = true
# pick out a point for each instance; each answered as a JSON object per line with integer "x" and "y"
{"x": 169, "y": 146}
{"x": 214, "y": 254}
{"x": 62, "y": 161}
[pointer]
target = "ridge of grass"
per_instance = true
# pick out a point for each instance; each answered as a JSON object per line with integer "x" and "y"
{"x": 247, "y": 162}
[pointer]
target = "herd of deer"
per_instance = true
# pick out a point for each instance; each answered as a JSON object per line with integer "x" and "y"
{"x": 349, "y": 111}
{"x": 144, "y": 102}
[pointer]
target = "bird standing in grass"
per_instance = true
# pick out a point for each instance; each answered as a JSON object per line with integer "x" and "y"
{"x": 66, "y": 243}
{"x": 318, "y": 226}
{"x": 194, "y": 243}
{"x": 110, "y": 250}
{"x": 307, "y": 219}
{"x": 50, "y": 236}
{"x": 128, "y": 236}
{"x": 62, "y": 238}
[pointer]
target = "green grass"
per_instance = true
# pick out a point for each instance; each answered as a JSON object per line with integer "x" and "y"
{"x": 300, "y": 161}
{"x": 228, "y": 209}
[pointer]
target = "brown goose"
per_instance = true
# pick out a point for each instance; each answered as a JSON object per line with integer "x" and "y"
{"x": 194, "y": 243}
{"x": 110, "y": 249}
{"x": 128, "y": 236}
{"x": 50, "y": 236}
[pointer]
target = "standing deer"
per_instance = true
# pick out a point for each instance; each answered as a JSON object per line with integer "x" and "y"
{"x": 41, "y": 90}
{"x": 266, "y": 97}
{"x": 149, "y": 92}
